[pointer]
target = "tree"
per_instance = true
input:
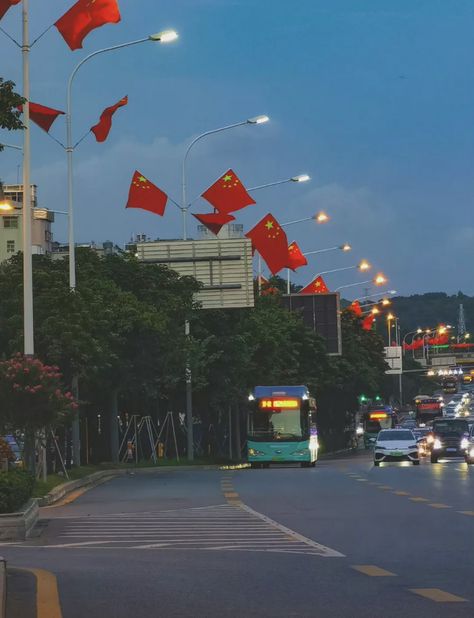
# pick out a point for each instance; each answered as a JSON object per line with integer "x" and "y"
{"x": 10, "y": 116}
{"x": 33, "y": 399}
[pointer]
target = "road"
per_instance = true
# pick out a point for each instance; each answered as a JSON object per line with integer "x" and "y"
{"x": 341, "y": 539}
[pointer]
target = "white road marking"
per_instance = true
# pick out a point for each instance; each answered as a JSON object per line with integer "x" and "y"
{"x": 221, "y": 527}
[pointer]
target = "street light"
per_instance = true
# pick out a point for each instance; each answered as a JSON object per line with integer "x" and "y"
{"x": 385, "y": 301}
{"x": 350, "y": 285}
{"x": 165, "y": 36}
{"x": 255, "y": 120}
{"x": 10, "y": 146}
{"x": 298, "y": 178}
{"x": 362, "y": 266}
{"x": 345, "y": 248}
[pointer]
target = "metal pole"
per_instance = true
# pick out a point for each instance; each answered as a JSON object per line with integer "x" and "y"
{"x": 259, "y": 275}
{"x": 189, "y": 400}
{"x": 28, "y": 326}
{"x": 388, "y": 331}
{"x": 288, "y": 282}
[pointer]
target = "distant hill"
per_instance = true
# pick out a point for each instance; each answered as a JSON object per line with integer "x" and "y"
{"x": 429, "y": 310}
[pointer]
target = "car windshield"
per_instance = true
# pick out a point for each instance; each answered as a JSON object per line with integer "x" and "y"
{"x": 392, "y": 436}
{"x": 456, "y": 426}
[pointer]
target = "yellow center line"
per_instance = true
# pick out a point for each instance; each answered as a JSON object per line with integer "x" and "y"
{"x": 401, "y": 493}
{"x": 231, "y": 494}
{"x": 47, "y": 595}
{"x": 470, "y": 513}
{"x": 439, "y": 505}
{"x": 419, "y": 499}
{"x": 437, "y": 595}
{"x": 385, "y": 487}
{"x": 372, "y": 570}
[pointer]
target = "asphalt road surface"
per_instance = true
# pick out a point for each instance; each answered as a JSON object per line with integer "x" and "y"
{"x": 343, "y": 539}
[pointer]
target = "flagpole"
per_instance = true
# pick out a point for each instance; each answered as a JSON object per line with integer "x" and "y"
{"x": 27, "y": 211}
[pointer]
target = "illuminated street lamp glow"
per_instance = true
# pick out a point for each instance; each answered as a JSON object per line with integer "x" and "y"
{"x": 375, "y": 311}
{"x": 321, "y": 217}
{"x": 6, "y": 206}
{"x": 380, "y": 279}
{"x": 346, "y": 247}
{"x": 364, "y": 265}
{"x": 386, "y": 301}
{"x": 390, "y": 317}
{"x": 166, "y": 36}
{"x": 258, "y": 119}
{"x": 301, "y": 178}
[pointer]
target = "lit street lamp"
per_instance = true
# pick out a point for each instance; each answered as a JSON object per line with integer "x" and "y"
{"x": 345, "y": 248}
{"x": 375, "y": 281}
{"x": 165, "y": 36}
{"x": 254, "y": 121}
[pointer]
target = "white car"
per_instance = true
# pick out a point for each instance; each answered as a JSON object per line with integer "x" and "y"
{"x": 396, "y": 445}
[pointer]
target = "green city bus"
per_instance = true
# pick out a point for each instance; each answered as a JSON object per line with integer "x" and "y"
{"x": 282, "y": 426}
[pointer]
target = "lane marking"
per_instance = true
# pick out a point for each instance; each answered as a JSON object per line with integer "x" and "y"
{"x": 419, "y": 499}
{"x": 439, "y": 505}
{"x": 372, "y": 571}
{"x": 327, "y": 552}
{"x": 47, "y": 595}
{"x": 385, "y": 487}
{"x": 231, "y": 494}
{"x": 361, "y": 480}
{"x": 437, "y": 595}
{"x": 401, "y": 493}
{"x": 469, "y": 513}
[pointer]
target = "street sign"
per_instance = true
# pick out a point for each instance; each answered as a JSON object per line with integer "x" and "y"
{"x": 321, "y": 313}
{"x": 223, "y": 266}
{"x": 393, "y": 357}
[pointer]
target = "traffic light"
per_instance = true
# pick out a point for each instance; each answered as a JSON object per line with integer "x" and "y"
{"x": 378, "y": 398}
{"x": 362, "y": 399}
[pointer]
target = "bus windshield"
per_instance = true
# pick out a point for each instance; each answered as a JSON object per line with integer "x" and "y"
{"x": 277, "y": 425}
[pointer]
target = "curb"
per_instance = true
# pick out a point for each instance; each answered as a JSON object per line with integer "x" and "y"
{"x": 97, "y": 478}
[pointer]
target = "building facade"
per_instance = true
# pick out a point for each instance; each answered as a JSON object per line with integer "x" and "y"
{"x": 11, "y": 224}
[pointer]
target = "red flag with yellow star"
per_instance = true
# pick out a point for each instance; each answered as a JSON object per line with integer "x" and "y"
{"x": 228, "y": 193}
{"x": 269, "y": 239}
{"x": 101, "y": 130}
{"x": 214, "y": 221}
{"x": 144, "y": 194}
{"x": 5, "y": 5}
{"x": 296, "y": 259}
{"x": 85, "y": 16}
{"x": 317, "y": 286}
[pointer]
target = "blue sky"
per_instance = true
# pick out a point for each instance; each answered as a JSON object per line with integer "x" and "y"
{"x": 375, "y": 102}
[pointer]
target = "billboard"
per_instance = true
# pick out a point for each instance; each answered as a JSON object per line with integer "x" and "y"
{"x": 393, "y": 357}
{"x": 223, "y": 266}
{"x": 320, "y": 312}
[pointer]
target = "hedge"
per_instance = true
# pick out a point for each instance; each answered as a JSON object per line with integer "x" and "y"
{"x": 16, "y": 488}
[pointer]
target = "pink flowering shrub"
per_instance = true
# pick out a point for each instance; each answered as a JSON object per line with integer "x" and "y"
{"x": 32, "y": 395}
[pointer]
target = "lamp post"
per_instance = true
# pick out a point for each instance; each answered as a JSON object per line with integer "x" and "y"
{"x": 362, "y": 266}
{"x": 418, "y": 331}
{"x": 162, "y": 37}
{"x": 378, "y": 280}
{"x": 256, "y": 120}
{"x": 10, "y": 146}
{"x": 345, "y": 247}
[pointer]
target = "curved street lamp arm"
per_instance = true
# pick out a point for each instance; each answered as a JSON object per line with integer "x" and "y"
{"x": 351, "y": 285}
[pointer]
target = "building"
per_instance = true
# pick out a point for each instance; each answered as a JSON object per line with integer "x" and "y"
{"x": 61, "y": 250}
{"x": 11, "y": 228}
{"x": 228, "y": 231}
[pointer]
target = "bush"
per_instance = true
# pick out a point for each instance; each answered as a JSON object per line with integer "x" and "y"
{"x": 16, "y": 488}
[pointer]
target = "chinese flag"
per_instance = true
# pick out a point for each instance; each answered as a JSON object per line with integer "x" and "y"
{"x": 5, "y": 5}
{"x": 228, "y": 194}
{"x": 42, "y": 116}
{"x": 144, "y": 194}
{"x": 102, "y": 128}
{"x": 214, "y": 221}
{"x": 355, "y": 308}
{"x": 368, "y": 321}
{"x": 269, "y": 239}
{"x": 317, "y": 286}
{"x": 85, "y": 16}
{"x": 296, "y": 259}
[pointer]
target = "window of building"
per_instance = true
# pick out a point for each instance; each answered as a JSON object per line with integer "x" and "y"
{"x": 10, "y": 222}
{"x": 10, "y": 246}
{"x": 48, "y": 236}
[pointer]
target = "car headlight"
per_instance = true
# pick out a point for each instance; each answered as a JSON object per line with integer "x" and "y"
{"x": 359, "y": 431}
{"x": 464, "y": 443}
{"x": 430, "y": 439}
{"x": 437, "y": 444}
{"x": 471, "y": 452}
